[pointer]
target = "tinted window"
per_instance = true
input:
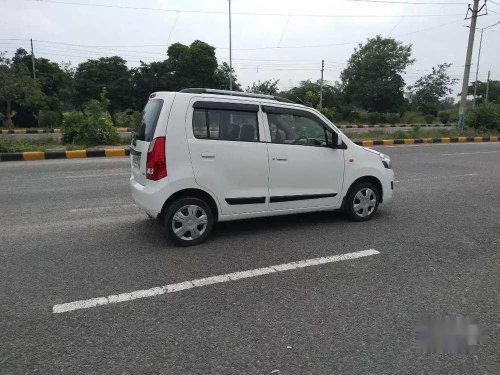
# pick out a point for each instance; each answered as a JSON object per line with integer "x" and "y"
{"x": 296, "y": 129}
{"x": 146, "y": 129}
{"x": 224, "y": 124}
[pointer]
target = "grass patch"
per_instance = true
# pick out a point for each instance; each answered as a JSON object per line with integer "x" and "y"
{"x": 418, "y": 133}
{"x": 8, "y": 144}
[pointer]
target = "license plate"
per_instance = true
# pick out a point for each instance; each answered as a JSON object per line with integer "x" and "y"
{"x": 136, "y": 161}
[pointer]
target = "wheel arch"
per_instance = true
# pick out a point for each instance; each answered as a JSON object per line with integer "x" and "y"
{"x": 196, "y": 193}
{"x": 371, "y": 179}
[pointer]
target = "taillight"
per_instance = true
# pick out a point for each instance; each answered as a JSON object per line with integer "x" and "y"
{"x": 156, "y": 163}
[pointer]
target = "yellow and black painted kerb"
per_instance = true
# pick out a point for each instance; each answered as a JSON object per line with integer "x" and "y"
{"x": 412, "y": 141}
{"x": 111, "y": 152}
{"x": 41, "y": 155}
{"x": 393, "y": 126}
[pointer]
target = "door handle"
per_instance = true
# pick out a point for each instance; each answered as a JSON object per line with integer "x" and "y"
{"x": 208, "y": 155}
{"x": 281, "y": 158}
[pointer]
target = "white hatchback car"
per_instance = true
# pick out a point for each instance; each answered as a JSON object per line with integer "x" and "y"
{"x": 200, "y": 156}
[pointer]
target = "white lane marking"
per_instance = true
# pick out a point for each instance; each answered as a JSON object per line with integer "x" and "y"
{"x": 98, "y": 175}
{"x": 172, "y": 288}
{"x": 438, "y": 177}
{"x": 470, "y": 153}
{"x": 101, "y": 208}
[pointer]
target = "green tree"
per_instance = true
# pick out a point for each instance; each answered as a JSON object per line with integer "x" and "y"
{"x": 53, "y": 80}
{"x": 186, "y": 66}
{"x": 493, "y": 91}
{"x": 307, "y": 92}
{"x": 269, "y": 87}
{"x": 149, "y": 78}
{"x": 16, "y": 86}
{"x": 373, "y": 77}
{"x": 222, "y": 74}
{"x": 430, "y": 89}
{"x": 112, "y": 73}
{"x": 193, "y": 65}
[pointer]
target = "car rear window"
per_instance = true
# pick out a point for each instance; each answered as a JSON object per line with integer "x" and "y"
{"x": 146, "y": 129}
{"x": 228, "y": 125}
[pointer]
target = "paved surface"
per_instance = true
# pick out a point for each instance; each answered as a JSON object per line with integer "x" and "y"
{"x": 69, "y": 231}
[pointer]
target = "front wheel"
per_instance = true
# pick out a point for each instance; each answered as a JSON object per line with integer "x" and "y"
{"x": 188, "y": 221}
{"x": 362, "y": 201}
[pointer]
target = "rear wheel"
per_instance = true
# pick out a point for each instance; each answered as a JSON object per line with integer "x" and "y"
{"x": 362, "y": 201}
{"x": 188, "y": 221}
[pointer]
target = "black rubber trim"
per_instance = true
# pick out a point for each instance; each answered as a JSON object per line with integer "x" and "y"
{"x": 134, "y": 152}
{"x": 226, "y": 106}
{"x": 291, "y": 111}
{"x": 95, "y": 153}
{"x": 55, "y": 155}
{"x": 250, "y": 200}
{"x": 289, "y": 198}
{"x": 11, "y": 156}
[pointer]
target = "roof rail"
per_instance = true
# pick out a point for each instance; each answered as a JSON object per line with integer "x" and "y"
{"x": 236, "y": 93}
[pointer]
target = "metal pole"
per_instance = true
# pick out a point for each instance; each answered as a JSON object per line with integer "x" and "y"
{"x": 321, "y": 84}
{"x": 477, "y": 69}
{"x": 468, "y": 56}
{"x": 487, "y": 87}
{"x": 230, "y": 52}
{"x": 33, "y": 59}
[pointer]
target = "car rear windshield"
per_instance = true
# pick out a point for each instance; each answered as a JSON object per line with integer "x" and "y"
{"x": 146, "y": 129}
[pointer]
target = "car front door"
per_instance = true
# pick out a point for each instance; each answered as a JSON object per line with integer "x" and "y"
{"x": 305, "y": 171}
{"x": 228, "y": 153}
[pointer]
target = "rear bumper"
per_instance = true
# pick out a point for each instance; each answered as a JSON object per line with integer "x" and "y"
{"x": 146, "y": 197}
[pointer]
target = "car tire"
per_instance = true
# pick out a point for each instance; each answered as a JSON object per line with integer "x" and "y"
{"x": 362, "y": 201}
{"x": 188, "y": 221}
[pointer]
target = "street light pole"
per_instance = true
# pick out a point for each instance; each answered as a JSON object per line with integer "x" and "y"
{"x": 230, "y": 52}
{"x": 468, "y": 56}
{"x": 477, "y": 69}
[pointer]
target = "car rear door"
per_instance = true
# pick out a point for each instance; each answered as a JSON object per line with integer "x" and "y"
{"x": 228, "y": 152}
{"x": 305, "y": 171}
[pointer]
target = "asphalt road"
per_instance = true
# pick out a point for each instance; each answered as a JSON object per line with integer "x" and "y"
{"x": 69, "y": 231}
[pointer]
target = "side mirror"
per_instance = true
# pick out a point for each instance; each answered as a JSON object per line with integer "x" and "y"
{"x": 334, "y": 139}
{"x": 339, "y": 140}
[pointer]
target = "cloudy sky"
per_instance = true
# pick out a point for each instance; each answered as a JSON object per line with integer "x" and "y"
{"x": 283, "y": 39}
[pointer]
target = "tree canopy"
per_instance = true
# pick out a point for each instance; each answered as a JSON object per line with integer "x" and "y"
{"x": 16, "y": 85}
{"x": 428, "y": 91}
{"x": 373, "y": 78}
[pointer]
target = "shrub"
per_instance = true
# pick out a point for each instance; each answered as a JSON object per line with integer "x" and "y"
{"x": 49, "y": 119}
{"x": 91, "y": 127}
{"x": 411, "y": 117}
{"x": 327, "y": 112}
{"x": 486, "y": 115}
{"x": 429, "y": 119}
{"x": 373, "y": 117}
{"x": 73, "y": 127}
{"x": 129, "y": 119}
{"x": 444, "y": 117}
{"x": 393, "y": 118}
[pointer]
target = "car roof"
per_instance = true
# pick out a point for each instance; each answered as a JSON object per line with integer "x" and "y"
{"x": 233, "y": 95}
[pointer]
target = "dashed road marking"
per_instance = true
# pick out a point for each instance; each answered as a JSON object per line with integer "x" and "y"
{"x": 99, "y": 175}
{"x": 470, "y": 153}
{"x": 218, "y": 279}
{"x": 437, "y": 177}
{"x": 102, "y": 208}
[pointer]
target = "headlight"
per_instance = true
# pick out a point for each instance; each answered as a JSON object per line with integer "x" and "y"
{"x": 386, "y": 160}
